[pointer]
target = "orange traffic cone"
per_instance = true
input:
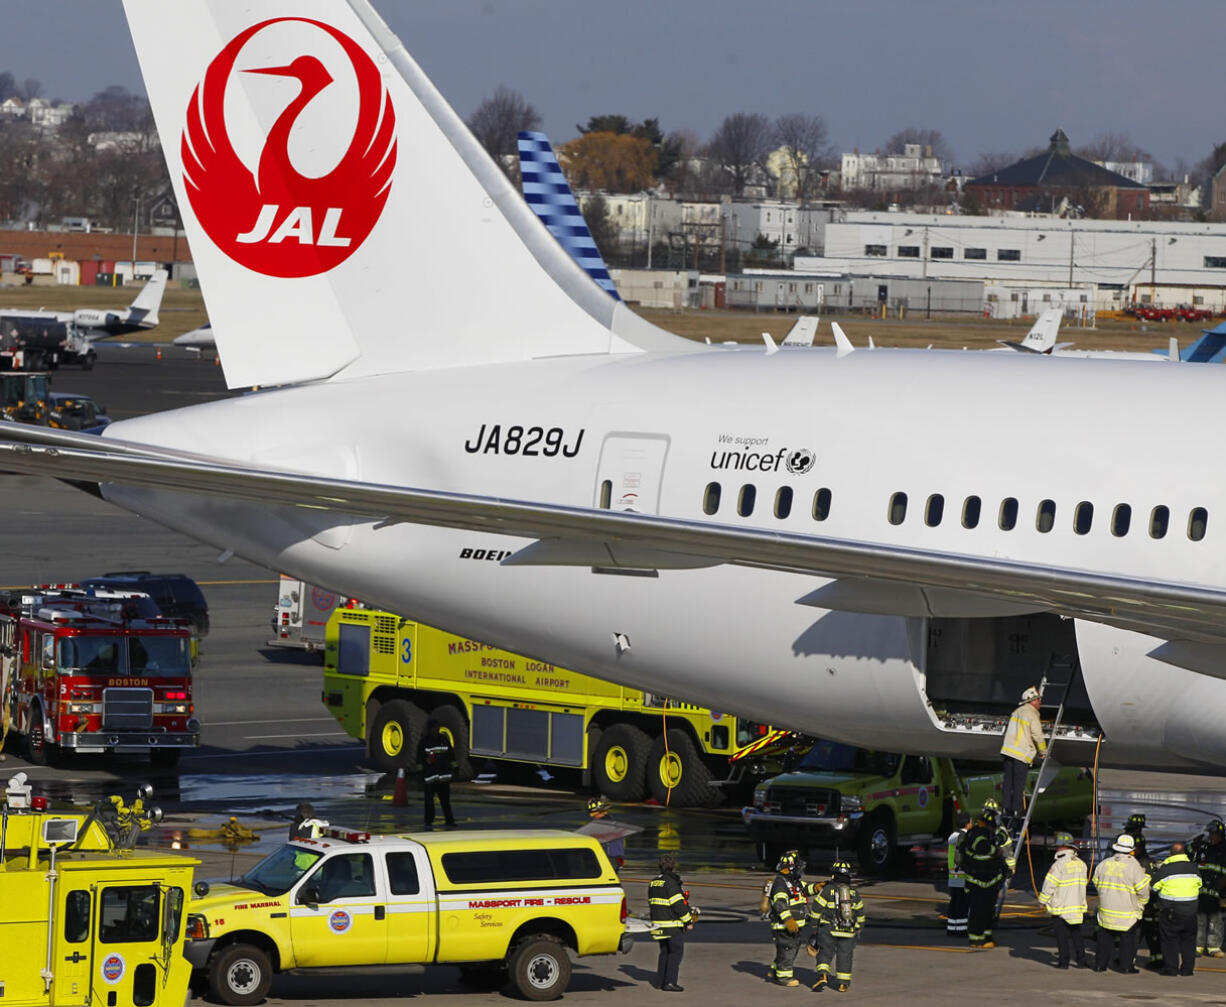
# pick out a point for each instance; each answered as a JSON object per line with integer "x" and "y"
{"x": 159, "y": 353}
{"x": 400, "y": 795}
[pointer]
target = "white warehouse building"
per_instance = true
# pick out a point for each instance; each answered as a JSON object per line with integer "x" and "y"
{"x": 1118, "y": 261}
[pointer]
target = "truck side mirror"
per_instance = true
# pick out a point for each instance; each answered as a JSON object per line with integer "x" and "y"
{"x": 309, "y": 895}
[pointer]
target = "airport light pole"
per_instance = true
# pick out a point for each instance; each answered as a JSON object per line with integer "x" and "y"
{"x": 135, "y": 227}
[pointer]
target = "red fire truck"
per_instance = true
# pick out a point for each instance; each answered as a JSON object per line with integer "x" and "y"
{"x": 83, "y": 673}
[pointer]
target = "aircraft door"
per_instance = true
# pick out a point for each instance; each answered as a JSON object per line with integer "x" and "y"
{"x": 630, "y": 474}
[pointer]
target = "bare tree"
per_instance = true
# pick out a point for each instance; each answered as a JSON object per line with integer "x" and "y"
{"x": 1114, "y": 147}
{"x": 991, "y": 161}
{"x": 497, "y": 121}
{"x": 926, "y": 138}
{"x": 740, "y": 145}
{"x": 803, "y": 140}
{"x": 31, "y": 87}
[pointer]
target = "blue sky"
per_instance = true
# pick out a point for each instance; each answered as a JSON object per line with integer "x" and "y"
{"x": 990, "y": 74}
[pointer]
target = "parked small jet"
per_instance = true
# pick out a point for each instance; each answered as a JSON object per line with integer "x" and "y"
{"x": 102, "y": 323}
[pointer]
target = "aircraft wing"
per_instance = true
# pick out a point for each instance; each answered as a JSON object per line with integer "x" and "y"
{"x": 868, "y": 576}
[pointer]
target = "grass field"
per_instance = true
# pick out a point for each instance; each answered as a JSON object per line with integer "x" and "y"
{"x": 183, "y": 310}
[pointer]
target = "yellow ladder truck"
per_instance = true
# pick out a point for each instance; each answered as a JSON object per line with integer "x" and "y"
{"x": 384, "y": 675}
{"x": 85, "y": 918}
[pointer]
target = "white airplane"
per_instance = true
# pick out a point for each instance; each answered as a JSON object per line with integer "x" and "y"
{"x": 102, "y": 323}
{"x": 1042, "y": 335}
{"x": 856, "y": 545}
{"x": 201, "y": 338}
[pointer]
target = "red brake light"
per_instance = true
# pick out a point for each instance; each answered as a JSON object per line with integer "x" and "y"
{"x": 625, "y": 910}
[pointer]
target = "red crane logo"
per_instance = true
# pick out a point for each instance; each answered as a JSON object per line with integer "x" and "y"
{"x": 278, "y": 221}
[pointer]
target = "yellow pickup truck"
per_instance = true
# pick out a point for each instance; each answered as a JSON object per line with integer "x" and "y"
{"x": 501, "y": 904}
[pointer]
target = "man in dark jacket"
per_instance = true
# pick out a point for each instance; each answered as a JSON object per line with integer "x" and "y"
{"x": 1176, "y": 883}
{"x": 672, "y": 917}
{"x": 437, "y": 758}
{"x": 984, "y": 862}
{"x": 789, "y": 901}
{"x": 837, "y": 915}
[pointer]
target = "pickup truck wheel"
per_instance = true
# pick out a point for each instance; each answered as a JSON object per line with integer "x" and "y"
{"x": 393, "y": 734}
{"x": 540, "y": 969}
{"x": 676, "y": 774}
{"x": 240, "y": 975}
{"x": 877, "y": 843}
{"x": 620, "y": 763}
{"x": 452, "y": 723}
{"x": 87, "y": 361}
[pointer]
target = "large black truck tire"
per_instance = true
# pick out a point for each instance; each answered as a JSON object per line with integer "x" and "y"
{"x": 676, "y": 773}
{"x": 619, "y": 766}
{"x": 393, "y": 733}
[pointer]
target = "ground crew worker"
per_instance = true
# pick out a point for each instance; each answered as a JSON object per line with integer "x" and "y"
{"x": 1176, "y": 884}
{"x": 1123, "y": 890}
{"x": 305, "y": 824}
{"x": 1022, "y": 742}
{"x": 788, "y": 901}
{"x": 1064, "y": 895}
{"x": 1211, "y": 860}
{"x": 1135, "y": 827}
{"x": 985, "y": 870}
{"x": 615, "y": 849}
{"x": 837, "y": 915}
{"x": 955, "y": 913}
{"x": 672, "y": 917}
{"x": 437, "y": 758}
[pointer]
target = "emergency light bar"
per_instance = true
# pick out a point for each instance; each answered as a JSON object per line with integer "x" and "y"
{"x": 347, "y": 835}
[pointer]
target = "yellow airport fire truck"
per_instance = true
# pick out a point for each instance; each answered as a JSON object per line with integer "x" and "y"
{"x": 84, "y": 917}
{"x": 384, "y": 675}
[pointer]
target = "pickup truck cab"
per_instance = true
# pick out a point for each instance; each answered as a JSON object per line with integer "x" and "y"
{"x": 504, "y": 904}
{"x": 881, "y": 803}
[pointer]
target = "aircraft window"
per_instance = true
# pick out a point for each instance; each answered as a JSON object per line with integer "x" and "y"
{"x": 710, "y": 499}
{"x": 745, "y": 501}
{"x": 1083, "y": 517}
{"x": 821, "y": 504}
{"x": 1159, "y": 518}
{"x": 898, "y": 508}
{"x": 935, "y": 510}
{"x": 1008, "y": 514}
{"x": 1120, "y": 520}
{"x": 1045, "y": 519}
{"x": 1196, "y": 523}
{"x": 606, "y": 494}
{"x": 970, "y": 512}
{"x": 783, "y": 502}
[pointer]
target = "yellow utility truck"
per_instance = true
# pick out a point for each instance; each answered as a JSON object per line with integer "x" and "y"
{"x": 507, "y": 906}
{"x": 83, "y": 918}
{"x": 384, "y": 675}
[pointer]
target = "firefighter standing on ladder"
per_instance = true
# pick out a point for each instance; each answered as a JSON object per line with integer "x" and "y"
{"x": 1022, "y": 742}
{"x": 788, "y": 901}
{"x": 837, "y": 915}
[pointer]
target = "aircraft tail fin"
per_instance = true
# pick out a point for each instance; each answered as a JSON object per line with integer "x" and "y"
{"x": 1042, "y": 335}
{"x": 1210, "y": 348}
{"x": 322, "y": 177}
{"x": 143, "y": 310}
{"x": 549, "y": 194}
{"x": 802, "y": 332}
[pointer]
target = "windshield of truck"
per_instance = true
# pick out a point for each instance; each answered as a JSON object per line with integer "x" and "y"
{"x": 158, "y": 655}
{"x": 833, "y": 757}
{"x": 278, "y": 872}
{"x": 101, "y": 655}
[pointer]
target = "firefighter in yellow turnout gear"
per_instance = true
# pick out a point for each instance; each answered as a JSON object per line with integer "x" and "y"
{"x": 787, "y": 906}
{"x": 837, "y": 916}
